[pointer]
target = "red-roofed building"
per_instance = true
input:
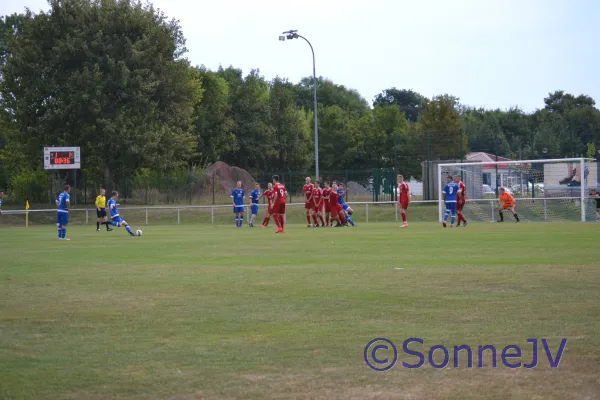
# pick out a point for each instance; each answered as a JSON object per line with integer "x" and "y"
{"x": 506, "y": 177}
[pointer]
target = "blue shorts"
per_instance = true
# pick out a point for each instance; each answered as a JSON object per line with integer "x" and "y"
{"x": 344, "y": 206}
{"x": 62, "y": 218}
{"x": 238, "y": 209}
{"x": 451, "y": 207}
{"x": 254, "y": 209}
{"x": 116, "y": 221}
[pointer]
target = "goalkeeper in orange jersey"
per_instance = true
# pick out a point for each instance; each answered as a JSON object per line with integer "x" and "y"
{"x": 507, "y": 202}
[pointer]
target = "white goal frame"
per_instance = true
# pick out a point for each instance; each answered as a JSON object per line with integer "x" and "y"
{"x": 542, "y": 161}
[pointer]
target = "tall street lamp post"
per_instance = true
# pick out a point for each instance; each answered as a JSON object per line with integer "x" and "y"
{"x": 293, "y": 34}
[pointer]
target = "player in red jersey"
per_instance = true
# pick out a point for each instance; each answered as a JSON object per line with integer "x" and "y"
{"x": 269, "y": 194}
{"x": 307, "y": 189}
{"x": 404, "y": 198}
{"x": 317, "y": 204}
{"x": 337, "y": 213}
{"x": 461, "y": 200}
{"x": 326, "y": 203}
{"x": 279, "y": 203}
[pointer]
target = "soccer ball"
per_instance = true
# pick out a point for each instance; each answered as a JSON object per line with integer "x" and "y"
{"x": 138, "y": 232}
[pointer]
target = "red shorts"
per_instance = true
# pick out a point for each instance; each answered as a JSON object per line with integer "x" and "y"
{"x": 336, "y": 209}
{"x": 460, "y": 205}
{"x": 404, "y": 203}
{"x": 327, "y": 207}
{"x": 269, "y": 209}
{"x": 279, "y": 207}
{"x": 318, "y": 208}
{"x": 308, "y": 205}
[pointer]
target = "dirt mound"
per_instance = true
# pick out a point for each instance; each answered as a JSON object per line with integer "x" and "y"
{"x": 357, "y": 189}
{"x": 225, "y": 177}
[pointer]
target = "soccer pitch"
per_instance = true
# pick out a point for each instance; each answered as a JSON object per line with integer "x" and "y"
{"x": 216, "y": 312}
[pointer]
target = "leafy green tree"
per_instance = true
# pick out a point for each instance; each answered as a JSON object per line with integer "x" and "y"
{"x": 292, "y": 125}
{"x": 330, "y": 94}
{"x": 440, "y": 120}
{"x": 250, "y": 109}
{"x": 106, "y": 76}
{"x": 410, "y": 103}
{"x": 213, "y": 123}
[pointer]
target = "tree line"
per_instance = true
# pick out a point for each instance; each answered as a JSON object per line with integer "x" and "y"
{"x": 111, "y": 77}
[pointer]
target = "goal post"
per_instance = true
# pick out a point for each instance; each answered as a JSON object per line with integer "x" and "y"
{"x": 545, "y": 190}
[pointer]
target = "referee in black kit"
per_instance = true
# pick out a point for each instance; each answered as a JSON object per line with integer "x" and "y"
{"x": 101, "y": 211}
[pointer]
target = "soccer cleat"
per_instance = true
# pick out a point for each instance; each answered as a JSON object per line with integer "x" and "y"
{"x": 404, "y": 225}
{"x": 308, "y": 226}
{"x": 109, "y": 230}
{"x": 97, "y": 230}
{"x": 131, "y": 234}
{"x": 465, "y": 224}
{"x": 262, "y": 226}
{"x": 251, "y": 225}
{"x": 451, "y": 226}
{"x": 444, "y": 224}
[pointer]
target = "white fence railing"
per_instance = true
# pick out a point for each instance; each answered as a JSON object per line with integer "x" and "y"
{"x": 363, "y": 209}
{"x": 531, "y": 208}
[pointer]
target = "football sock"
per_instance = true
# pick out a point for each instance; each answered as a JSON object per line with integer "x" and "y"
{"x": 241, "y": 220}
{"x": 282, "y": 221}
{"x": 501, "y": 216}
{"x": 59, "y": 233}
{"x": 517, "y": 217}
{"x": 63, "y": 233}
{"x": 252, "y": 218}
{"x": 321, "y": 218}
{"x": 315, "y": 220}
{"x": 266, "y": 221}
{"x": 349, "y": 219}
{"x": 128, "y": 229}
{"x": 308, "y": 219}
{"x": 403, "y": 216}
{"x": 342, "y": 219}
{"x": 276, "y": 218}
{"x": 97, "y": 225}
{"x": 237, "y": 221}
{"x": 446, "y": 214}
{"x": 452, "y": 219}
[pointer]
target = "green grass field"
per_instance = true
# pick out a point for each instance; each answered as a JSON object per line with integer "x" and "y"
{"x": 215, "y": 312}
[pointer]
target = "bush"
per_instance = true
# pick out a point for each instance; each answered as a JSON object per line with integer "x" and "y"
{"x": 29, "y": 185}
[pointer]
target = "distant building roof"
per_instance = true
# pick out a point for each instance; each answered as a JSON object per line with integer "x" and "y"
{"x": 480, "y": 156}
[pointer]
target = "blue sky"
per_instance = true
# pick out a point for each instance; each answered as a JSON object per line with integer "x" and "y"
{"x": 493, "y": 54}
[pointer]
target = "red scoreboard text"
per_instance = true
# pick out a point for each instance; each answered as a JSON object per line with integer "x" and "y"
{"x": 62, "y": 157}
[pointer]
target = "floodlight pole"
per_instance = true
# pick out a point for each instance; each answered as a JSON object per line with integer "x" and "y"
{"x": 293, "y": 34}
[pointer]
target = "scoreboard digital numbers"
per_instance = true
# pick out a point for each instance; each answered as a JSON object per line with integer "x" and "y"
{"x": 62, "y": 158}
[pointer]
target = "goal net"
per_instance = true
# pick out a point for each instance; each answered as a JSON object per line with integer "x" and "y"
{"x": 544, "y": 190}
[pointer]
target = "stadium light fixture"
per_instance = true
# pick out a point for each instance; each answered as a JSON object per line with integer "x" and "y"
{"x": 293, "y": 34}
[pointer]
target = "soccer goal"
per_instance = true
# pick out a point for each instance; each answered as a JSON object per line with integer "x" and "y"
{"x": 545, "y": 190}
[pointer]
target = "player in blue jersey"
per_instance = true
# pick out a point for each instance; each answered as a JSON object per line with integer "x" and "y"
{"x": 237, "y": 198}
{"x": 63, "y": 202}
{"x": 347, "y": 209}
{"x": 254, "y": 196}
{"x": 449, "y": 196}
{"x": 115, "y": 218}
